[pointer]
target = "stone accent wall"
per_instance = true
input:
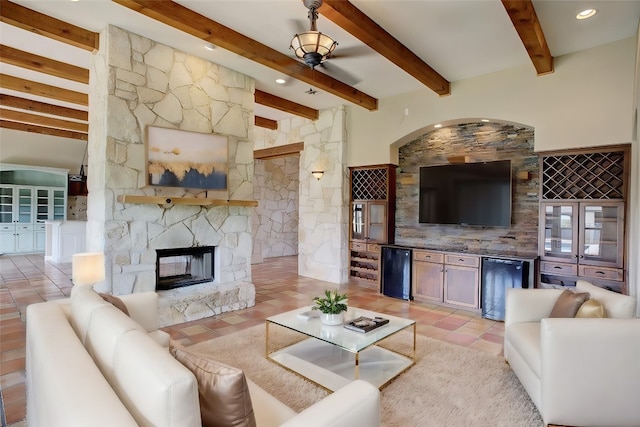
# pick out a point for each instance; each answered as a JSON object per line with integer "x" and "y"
{"x": 480, "y": 142}
{"x": 137, "y": 82}
{"x": 323, "y": 211}
{"x": 275, "y": 220}
{"x": 77, "y": 208}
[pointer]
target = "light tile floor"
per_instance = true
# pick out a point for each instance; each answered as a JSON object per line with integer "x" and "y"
{"x": 27, "y": 279}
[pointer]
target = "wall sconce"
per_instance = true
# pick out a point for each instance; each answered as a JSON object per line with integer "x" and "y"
{"x": 317, "y": 174}
{"x": 87, "y": 268}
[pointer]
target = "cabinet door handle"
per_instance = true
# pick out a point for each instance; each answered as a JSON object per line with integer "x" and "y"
{"x": 600, "y": 272}
{"x": 558, "y": 267}
{"x": 460, "y": 259}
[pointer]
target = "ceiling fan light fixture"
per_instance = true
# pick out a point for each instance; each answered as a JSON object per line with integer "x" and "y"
{"x": 312, "y": 46}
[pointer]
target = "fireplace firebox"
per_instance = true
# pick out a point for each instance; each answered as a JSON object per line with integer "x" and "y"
{"x": 179, "y": 267}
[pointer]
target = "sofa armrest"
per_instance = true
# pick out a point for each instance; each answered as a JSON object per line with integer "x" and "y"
{"x": 590, "y": 373}
{"x": 356, "y": 404}
{"x": 529, "y": 305}
{"x": 143, "y": 308}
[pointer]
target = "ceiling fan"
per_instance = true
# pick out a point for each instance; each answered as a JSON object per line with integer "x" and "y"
{"x": 315, "y": 47}
{"x": 312, "y": 46}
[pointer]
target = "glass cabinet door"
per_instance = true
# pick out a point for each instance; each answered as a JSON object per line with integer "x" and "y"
{"x": 377, "y": 222}
{"x": 357, "y": 221}
{"x": 25, "y": 205}
{"x": 601, "y": 234}
{"x": 42, "y": 204}
{"x": 560, "y": 231}
{"x": 6, "y": 204}
{"x": 59, "y": 207}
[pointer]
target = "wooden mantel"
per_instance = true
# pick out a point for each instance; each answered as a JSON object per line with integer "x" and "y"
{"x": 195, "y": 201}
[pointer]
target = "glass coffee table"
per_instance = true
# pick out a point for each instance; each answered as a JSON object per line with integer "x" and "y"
{"x": 333, "y": 356}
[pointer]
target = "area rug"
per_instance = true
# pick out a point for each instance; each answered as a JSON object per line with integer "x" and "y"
{"x": 449, "y": 385}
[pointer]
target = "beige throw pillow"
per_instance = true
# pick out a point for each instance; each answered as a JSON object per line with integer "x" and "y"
{"x": 568, "y": 303}
{"x": 591, "y": 308}
{"x": 224, "y": 394}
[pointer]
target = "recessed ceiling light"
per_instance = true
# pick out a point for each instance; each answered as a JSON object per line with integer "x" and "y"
{"x": 209, "y": 46}
{"x": 281, "y": 81}
{"x": 587, "y": 13}
{"x": 485, "y": 120}
{"x": 437, "y": 126}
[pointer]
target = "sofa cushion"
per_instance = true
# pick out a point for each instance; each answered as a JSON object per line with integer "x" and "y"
{"x": 225, "y": 400}
{"x": 525, "y": 338}
{"x": 116, "y": 302}
{"x": 617, "y": 306}
{"x": 591, "y": 308}
{"x": 568, "y": 303}
{"x": 108, "y": 325}
{"x": 157, "y": 389}
{"x": 84, "y": 301}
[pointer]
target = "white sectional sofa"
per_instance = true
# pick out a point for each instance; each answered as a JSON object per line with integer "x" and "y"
{"x": 89, "y": 364}
{"x": 577, "y": 371}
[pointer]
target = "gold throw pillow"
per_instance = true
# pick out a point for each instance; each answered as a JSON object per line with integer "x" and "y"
{"x": 591, "y": 308}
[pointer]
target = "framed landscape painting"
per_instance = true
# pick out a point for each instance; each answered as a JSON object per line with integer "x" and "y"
{"x": 184, "y": 159}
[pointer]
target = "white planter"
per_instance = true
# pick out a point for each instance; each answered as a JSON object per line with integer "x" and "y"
{"x": 332, "y": 319}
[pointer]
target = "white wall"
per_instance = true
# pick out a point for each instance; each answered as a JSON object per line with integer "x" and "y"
{"x": 634, "y": 210}
{"x": 585, "y": 102}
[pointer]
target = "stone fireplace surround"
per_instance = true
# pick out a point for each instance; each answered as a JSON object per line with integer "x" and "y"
{"x": 135, "y": 83}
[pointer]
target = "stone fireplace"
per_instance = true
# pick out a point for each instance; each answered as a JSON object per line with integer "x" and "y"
{"x": 135, "y": 83}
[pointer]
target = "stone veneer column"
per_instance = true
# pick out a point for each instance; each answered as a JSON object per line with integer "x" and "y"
{"x": 323, "y": 215}
{"x": 135, "y": 83}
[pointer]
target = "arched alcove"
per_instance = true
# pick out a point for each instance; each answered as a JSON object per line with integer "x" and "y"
{"x": 470, "y": 140}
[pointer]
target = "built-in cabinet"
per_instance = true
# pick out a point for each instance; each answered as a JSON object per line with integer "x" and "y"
{"x": 582, "y": 217}
{"x": 372, "y": 211}
{"x": 29, "y": 196}
{"x": 446, "y": 277}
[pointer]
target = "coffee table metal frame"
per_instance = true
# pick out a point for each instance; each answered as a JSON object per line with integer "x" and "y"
{"x": 333, "y": 356}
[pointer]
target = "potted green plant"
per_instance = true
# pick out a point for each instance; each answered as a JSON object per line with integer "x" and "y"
{"x": 332, "y": 306}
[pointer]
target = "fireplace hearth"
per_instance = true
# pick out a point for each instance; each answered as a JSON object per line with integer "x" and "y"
{"x": 180, "y": 267}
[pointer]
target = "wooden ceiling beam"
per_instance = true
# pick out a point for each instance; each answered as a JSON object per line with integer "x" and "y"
{"x": 41, "y": 64}
{"x": 190, "y": 22}
{"x": 279, "y": 151}
{"x": 24, "y": 127}
{"x": 525, "y": 20}
{"x": 42, "y": 107}
{"x": 263, "y": 122}
{"x": 38, "y": 23}
{"x": 269, "y": 100}
{"x": 353, "y": 20}
{"x": 36, "y": 119}
{"x": 41, "y": 89}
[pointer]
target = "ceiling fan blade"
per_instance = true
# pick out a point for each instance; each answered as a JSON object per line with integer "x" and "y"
{"x": 351, "y": 52}
{"x": 338, "y": 73}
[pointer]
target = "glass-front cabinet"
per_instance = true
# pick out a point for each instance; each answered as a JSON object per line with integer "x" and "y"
{"x": 369, "y": 222}
{"x": 29, "y": 196}
{"x": 589, "y": 233}
{"x": 601, "y": 234}
{"x": 560, "y": 231}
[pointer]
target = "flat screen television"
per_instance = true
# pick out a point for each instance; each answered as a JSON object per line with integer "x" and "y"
{"x": 466, "y": 194}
